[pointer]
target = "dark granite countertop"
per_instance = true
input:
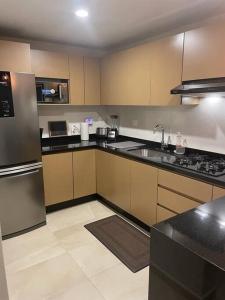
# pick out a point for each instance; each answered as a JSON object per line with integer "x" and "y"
{"x": 201, "y": 231}
{"x": 65, "y": 144}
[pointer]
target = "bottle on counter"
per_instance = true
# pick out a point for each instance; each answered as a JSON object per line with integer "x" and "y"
{"x": 180, "y": 148}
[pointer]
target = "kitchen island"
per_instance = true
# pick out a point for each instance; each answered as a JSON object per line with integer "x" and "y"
{"x": 188, "y": 255}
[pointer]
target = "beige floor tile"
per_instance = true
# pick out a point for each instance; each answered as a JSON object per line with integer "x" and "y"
{"x": 69, "y": 217}
{"x": 84, "y": 290}
{"x": 46, "y": 279}
{"x": 74, "y": 237}
{"x": 119, "y": 283}
{"x": 28, "y": 244}
{"x": 94, "y": 258}
{"x": 99, "y": 210}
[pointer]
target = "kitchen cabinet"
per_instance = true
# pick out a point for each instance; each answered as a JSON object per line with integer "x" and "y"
{"x": 15, "y": 57}
{"x": 175, "y": 202}
{"x": 84, "y": 173}
{"x": 143, "y": 192}
{"x": 49, "y": 64}
{"x": 164, "y": 214}
{"x": 218, "y": 192}
{"x": 113, "y": 179}
{"x": 76, "y": 68}
{"x": 204, "y": 52}
{"x": 192, "y": 188}
{"x": 91, "y": 81}
{"x": 166, "y": 69}
{"x": 58, "y": 177}
{"x": 125, "y": 77}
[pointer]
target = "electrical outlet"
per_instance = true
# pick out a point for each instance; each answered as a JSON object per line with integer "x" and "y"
{"x": 74, "y": 128}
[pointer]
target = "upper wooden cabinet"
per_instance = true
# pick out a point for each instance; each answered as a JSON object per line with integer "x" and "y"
{"x": 125, "y": 77}
{"x": 204, "y": 52}
{"x": 144, "y": 192}
{"x": 15, "y": 57}
{"x": 76, "y": 69}
{"x": 49, "y": 64}
{"x": 91, "y": 81}
{"x": 84, "y": 177}
{"x": 166, "y": 69}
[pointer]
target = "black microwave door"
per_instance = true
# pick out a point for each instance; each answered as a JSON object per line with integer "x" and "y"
{"x": 39, "y": 89}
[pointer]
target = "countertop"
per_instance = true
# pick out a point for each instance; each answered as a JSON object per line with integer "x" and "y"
{"x": 65, "y": 144}
{"x": 201, "y": 231}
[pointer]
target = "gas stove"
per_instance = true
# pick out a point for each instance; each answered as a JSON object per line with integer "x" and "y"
{"x": 206, "y": 164}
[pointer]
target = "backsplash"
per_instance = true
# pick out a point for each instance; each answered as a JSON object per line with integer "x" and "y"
{"x": 71, "y": 114}
{"x": 203, "y": 125}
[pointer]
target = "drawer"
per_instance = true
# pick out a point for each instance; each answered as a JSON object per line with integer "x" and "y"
{"x": 175, "y": 202}
{"x": 194, "y": 189}
{"x": 218, "y": 192}
{"x": 163, "y": 214}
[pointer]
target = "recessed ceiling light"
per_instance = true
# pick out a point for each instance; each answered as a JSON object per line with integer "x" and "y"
{"x": 82, "y": 13}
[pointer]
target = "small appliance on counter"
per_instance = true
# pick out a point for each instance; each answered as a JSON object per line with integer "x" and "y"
{"x": 113, "y": 132}
{"x": 57, "y": 128}
{"x": 52, "y": 91}
{"x": 102, "y": 132}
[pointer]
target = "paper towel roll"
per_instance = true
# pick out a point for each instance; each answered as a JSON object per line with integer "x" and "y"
{"x": 84, "y": 134}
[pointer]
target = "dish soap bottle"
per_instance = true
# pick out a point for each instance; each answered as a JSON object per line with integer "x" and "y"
{"x": 180, "y": 149}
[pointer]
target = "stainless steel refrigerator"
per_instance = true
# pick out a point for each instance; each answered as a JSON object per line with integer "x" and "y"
{"x": 21, "y": 181}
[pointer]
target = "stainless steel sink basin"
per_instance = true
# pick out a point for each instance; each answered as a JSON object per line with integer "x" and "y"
{"x": 153, "y": 154}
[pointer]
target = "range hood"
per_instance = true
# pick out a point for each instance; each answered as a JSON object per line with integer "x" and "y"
{"x": 201, "y": 87}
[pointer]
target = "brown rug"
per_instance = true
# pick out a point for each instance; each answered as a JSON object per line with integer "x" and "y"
{"x": 129, "y": 244}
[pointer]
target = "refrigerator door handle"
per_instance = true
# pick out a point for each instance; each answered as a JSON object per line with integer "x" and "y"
{"x": 21, "y": 174}
{"x": 23, "y": 170}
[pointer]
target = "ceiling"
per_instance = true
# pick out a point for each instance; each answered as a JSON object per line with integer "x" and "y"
{"x": 110, "y": 23}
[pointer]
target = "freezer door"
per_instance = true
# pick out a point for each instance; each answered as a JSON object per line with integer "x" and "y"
{"x": 21, "y": 199}
{"x": 19, "y": 134}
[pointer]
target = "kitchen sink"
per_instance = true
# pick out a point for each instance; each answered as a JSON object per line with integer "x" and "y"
{"x": 152, "y": 154}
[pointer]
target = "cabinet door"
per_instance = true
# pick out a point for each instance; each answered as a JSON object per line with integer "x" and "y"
{"x": 164, "y": 214}
{"x": 204, "y": 52}
{"x": 92, "y": 80}
{"x": 166, "y": 69}
{"x": 175, "y": 202}
{"x": 49, "y": 64}
{"x": 84, "y": 173}
{"x": 113, "y": 179}
{"x": 218, "y": 192}
{"x": 76, "y": 66}
{"x": 58, "y": 177}
{"x": 125, "y": 77}
{"x": 144, "y": 192}
{"x": 15, "y": 57}
{"x": 192, "y": 188}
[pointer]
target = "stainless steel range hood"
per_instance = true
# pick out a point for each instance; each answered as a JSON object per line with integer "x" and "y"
{"x": 200, "y": 88}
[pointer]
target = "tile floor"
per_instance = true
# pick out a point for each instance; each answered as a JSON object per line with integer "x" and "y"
{"x": 63, "y": 261}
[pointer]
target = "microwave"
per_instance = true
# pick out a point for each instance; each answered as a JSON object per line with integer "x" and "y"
{"x": 52, "y": 91}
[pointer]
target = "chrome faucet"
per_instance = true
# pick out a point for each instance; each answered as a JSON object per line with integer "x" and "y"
{"x": 159, "y": 127}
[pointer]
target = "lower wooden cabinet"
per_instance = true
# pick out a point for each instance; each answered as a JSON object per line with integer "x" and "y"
{"x": 144, "y": 192}
{"x": 175, "y": 202}
{"x": 84, "y": 173}
{"x": 218, "y": 192}
{"x": 113, "y": 179}
{"x": 58, "y": 177}
{"x": 164, "y": 214}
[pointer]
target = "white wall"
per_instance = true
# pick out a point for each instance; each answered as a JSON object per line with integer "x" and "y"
{"x": 203, "y": 125}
